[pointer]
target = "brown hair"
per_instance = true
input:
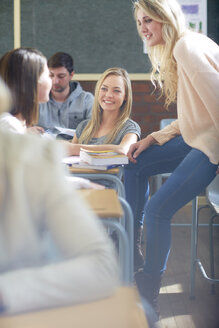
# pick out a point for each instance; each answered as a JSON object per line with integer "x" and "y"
{"x": 20, "y": 69}
{"x": 61, "y": 59}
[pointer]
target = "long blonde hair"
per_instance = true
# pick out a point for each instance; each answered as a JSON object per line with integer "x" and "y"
{"x": 164, "y": 67}
{"x": 124, "y": 113}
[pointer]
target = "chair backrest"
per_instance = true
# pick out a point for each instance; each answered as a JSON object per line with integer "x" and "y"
{"x": 164, "y": 122}
{"x": 212, "y": 191}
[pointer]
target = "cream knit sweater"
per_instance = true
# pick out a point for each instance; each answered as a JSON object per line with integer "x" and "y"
{"x": 197, "y": 59}
{"x": 53, "y": 250}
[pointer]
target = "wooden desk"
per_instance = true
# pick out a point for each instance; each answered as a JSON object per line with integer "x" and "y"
{"x": 104, "y": 203}
{"x": 118, "y": 311}
{"x": 84, "y": 170}
{"x": 75, "y": 159}
{"x": 113, "y": 175}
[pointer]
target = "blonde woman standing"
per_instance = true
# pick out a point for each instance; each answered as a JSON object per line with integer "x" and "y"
{"x": 185, "y": 66}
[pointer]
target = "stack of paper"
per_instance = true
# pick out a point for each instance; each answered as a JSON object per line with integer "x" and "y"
{"x": 75, "y": 162}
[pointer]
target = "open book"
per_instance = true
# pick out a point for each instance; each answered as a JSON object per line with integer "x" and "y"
{"x": 67, "y": 131}
{"x": 59, "y": 133}
{"x": 102, "y": 157}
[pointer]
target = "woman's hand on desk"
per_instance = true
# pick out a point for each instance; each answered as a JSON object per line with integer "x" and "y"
{"x": 72, "y": 149}
{"x": 136, "y": 148}
{"x": 81, "y": 183}
{"x": 35, "y": 130}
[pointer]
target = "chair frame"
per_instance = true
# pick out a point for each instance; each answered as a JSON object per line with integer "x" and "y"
{"x": 195, "y": 261}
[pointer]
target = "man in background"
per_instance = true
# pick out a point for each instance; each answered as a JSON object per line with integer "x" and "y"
{"x": 69, "y": 104}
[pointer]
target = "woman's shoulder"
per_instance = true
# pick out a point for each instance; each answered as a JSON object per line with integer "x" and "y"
{"x": 30, "y": 150}
{"x": 193, "y": 42}
{"x": 131, "y": 123}
{"x": 130, "y": 126}
{"x": 81, "y": 126}
{"x": 11, "y": 123}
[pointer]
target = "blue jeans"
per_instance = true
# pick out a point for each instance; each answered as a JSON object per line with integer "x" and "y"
{"x": 191, "y": 173}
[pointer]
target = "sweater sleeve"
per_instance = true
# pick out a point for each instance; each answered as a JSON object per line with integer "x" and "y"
{"x": 200, "y": 62}
{"x": 130, "y": 126}
{"x": 170, "y": 131}
{"x": 88, "y": 267}
{"x": 208, "y": 92}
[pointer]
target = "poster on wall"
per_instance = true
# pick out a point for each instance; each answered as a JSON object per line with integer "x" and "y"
{"x": 196, "y": 16}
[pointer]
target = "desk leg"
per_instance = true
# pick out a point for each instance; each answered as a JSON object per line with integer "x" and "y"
{"x": 193, "y": 247}
{"x": 123, "y": 248}
{"x": 129, "y": 227}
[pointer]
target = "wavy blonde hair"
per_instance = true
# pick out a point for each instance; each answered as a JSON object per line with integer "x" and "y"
{"x": 164, "y": 67}
{"x": 125, "y": 110}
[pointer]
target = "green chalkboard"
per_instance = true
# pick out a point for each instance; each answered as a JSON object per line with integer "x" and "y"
{"x": 6, "y": 26}
{"x": 97, "y": 33}
{"x": 213, "y": 20}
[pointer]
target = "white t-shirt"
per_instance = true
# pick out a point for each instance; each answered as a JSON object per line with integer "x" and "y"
{"x": 11, "y": 123}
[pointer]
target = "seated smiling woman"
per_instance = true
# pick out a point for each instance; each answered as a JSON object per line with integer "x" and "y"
{"x": 110, "y": 126}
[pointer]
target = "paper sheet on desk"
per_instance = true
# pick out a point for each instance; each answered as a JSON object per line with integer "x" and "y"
{"x": 70, "y": 132}
{"x": 75, "y": 162}
{"x": 56, "y": 131}
{"x": 71, "y": 160}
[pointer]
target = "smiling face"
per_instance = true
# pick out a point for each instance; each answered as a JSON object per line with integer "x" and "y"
{"x": 112, "y": 93}
{"x": 150, "y": 29}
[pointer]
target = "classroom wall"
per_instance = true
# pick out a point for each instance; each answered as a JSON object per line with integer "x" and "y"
{"x": 99, "y": 34}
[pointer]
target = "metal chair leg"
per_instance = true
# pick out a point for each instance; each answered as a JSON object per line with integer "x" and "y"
{"x": 212, "y": 250}
{"x": 129, "y": 227}
{"x": 193, "y": 246}
{"x": 124, "y": 256}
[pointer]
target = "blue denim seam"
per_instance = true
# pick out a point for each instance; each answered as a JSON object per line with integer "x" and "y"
{"x": 175, "y": 191}
{"x": 159, "y": 161}
{"x": 137, "y": 184}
